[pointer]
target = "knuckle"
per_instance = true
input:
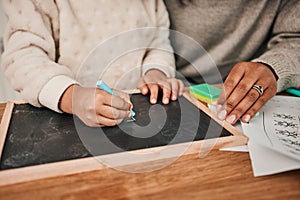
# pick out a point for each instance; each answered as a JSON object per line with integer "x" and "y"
{"x": 241, "y": 87}
{"x": 273, "y": 88}
{"x": 262, "y": 101}
{"x": 175, "y": 90}
{"x": 229, "y": 83}
{"x": 160, "y": 82}
{"x": 252, "y": 96}
{"x": 251, "y": 111}
{"x": 113, "y": 123}
{"x": 167, "y": 91}
{"x": 267, "y": 80}
{"x": 239, "y": 65}
{"x": 89, "y": 118}
{"x": 230, "y": 105}
{"x": 90, "y": 108}
{"x": 123, "y": 104}
{"x": 167, "y": 86}
{"x": 239, "y": 111}
{"x": 115, "y": 114}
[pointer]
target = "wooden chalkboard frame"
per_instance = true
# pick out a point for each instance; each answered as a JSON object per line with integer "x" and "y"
{"x": 63, "y": 168}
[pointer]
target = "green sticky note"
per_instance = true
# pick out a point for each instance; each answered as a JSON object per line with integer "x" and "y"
{"x": 205, "y": 92}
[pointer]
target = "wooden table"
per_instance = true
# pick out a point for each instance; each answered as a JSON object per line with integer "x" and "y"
{"x": 219, "y": 175}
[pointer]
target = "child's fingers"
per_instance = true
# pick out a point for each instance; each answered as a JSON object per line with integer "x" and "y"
{"x": 166, "y": 95}
{"x": 144, "y": 90}
{"x": 116, "y": 101}
{"x": 166, "y": 89}
{"x": 123, "y": 95}
{"x": 153, "y": 93}
{"x": 101, "y": 120}
{"x": 175, "y": 88}
{"x": 142, "y": 86}
{"x": 181, "y": 87}
{"x": 113, "y": 113}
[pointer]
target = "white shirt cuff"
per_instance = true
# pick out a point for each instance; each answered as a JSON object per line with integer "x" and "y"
{"x": 51, "y": 93}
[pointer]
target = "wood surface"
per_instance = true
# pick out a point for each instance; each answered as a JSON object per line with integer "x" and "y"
{"x": 125, "y": 160}
{"x": 5, "y": 124}
{"x": 205, "y": 109}
{"x": 218, "y": 175}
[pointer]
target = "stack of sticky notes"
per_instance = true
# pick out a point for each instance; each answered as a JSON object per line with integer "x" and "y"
{"x": 205, "y": 92}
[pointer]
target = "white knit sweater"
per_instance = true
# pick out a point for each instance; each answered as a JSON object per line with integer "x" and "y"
{"x": 49, "y": 45}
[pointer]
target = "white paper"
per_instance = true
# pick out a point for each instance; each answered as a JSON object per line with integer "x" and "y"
{"x": 266, "y": 161}
{"x": 243, "y": 148}
{"x": 277, "y": 126}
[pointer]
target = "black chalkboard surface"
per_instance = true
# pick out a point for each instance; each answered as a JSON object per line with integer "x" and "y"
{"x": 39, "y": 135}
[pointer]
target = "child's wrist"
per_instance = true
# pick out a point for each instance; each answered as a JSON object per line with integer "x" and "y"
{"x": 155, "y": 71}
{"x": 65, "y": 103}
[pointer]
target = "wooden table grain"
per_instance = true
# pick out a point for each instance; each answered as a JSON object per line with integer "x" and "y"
{"x": 219, "y": 175}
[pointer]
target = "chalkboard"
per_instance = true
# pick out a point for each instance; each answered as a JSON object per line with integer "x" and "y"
{"x": 39, "y": 135}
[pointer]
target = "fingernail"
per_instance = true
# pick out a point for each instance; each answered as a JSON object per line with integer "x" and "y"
{"x": 219, "y": 107}
{"x": 153, "y": 100}
{"x": 166, "y": 101}
{"x": 174, "y": 97}
{"x": 247, "y": 118}
{"x": 231, "y": 119}
{"x": 222, "y": 114}
{"x": 144, "y": 90}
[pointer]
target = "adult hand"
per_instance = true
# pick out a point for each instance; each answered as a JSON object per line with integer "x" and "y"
{"x": 95, "y": 107}
{"x": 238, "y": 98}
{"x": 154, "y": 80}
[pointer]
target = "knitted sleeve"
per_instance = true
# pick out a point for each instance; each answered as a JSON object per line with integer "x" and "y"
{"x": 283, "y": 52}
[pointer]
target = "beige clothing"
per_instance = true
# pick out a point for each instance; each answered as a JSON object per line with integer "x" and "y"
{"x": 266, "y": 31}
{"x": 50, "y": 45}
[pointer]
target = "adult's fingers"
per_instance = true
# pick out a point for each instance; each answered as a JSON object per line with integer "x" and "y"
{"x": 239, "y": 93}
{"x": 242, "y": 98}
{"x": 243, "y": 105}
{"x": 267, "y": 95}
{"x": 234, "y": 77}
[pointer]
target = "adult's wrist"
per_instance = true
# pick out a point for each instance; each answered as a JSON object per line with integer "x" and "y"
{"x": 271, "y": 69}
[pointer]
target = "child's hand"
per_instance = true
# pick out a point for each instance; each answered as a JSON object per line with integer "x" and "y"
{"x": 95, "y": 107}
{"x": 154, "y": 80}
